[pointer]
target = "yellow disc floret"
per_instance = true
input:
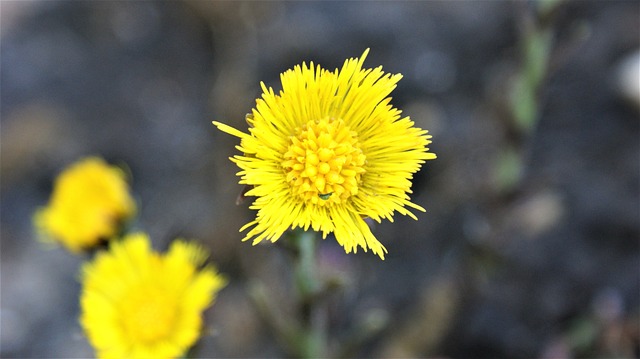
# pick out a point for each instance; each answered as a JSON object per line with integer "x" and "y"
{"x": 324, "y": 162}
{"x": 150, "y": 314}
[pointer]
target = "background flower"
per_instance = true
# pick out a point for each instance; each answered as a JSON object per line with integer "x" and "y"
{"x": 328, "y": 151}
{"x": 136, "y": 303}
{"x": 89, "y": 203}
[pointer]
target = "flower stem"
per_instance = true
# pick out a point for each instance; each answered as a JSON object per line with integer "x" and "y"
{"x": 312, "y": 336}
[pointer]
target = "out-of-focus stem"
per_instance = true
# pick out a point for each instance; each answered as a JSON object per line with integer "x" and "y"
{"x": 312, "y": 336}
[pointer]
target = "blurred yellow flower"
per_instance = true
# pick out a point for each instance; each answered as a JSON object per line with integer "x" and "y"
{"x": 328, "y": 151}
{"x": 136, "y": 303}
{"x": 89, "y": 203}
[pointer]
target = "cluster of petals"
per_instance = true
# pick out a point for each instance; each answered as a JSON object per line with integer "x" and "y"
{"x": 137, "y": 303}
{"x": 89, "y": 203}
{"x": 327, "y": 152}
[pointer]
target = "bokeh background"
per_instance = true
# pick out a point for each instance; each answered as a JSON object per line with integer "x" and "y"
{"x": 530, "y": 244}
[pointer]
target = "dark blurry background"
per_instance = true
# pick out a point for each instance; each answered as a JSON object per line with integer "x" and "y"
{"x": 529, "y": 247}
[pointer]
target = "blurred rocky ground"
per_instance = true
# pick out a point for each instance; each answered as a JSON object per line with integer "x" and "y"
{"x": 530, "y": 244}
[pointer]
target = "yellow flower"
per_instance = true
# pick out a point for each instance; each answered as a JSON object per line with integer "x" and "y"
{"x": 90, "y": 201}
{"x": 328, "y": 151}
{"x": 136, "y": 303}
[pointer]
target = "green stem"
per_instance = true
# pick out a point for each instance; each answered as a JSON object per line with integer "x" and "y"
{"x": 312, "y": 337}
{"x": 305, "y": 271}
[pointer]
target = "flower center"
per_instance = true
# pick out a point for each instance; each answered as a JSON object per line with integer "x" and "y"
{"x": 148, "y": 315}
{"x": 324, "y": 162}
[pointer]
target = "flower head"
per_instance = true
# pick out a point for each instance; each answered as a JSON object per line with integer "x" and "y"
{"x": 328, "y": 151}
{"x": 136, "y": 303}
{"x": 90, "y": 200}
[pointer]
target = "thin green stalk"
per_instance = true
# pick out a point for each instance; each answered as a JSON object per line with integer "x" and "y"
{"x": 312, "y": 336}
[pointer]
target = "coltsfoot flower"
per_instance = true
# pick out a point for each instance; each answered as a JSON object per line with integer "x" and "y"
{"x": 327, "y": 152}
{"x": 136, "y": 303}
{"x": 89, "y": 203}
